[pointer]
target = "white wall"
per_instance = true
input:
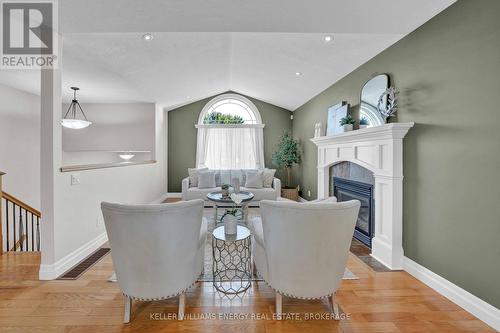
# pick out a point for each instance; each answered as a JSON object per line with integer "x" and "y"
{"x": 77, "y": 223}
{"x": 71, "y": 216}
{"x": 20, "y": 144}
{"x": 116, "y": 126}
{"x": 80, "y": 212}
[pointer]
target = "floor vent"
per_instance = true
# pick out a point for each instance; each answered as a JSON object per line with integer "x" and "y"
{"x": 80, "y": 268}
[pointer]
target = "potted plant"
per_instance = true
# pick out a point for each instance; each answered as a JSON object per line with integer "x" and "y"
{"x": 363, "y": 123}
{"x": 285, "y": 156}
{"x": 347, "y": 123}
{"x": 225, "y": 190}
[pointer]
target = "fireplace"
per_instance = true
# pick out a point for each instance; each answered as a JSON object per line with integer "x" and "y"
{"x": 378, "y": 149}
{"x": 350, "y": 181}
{"x": 345, "y": 190}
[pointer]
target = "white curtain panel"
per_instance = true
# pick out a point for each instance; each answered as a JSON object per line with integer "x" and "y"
{"x": 230, "y": 147}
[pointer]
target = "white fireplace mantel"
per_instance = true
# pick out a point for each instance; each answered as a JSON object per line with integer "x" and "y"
{"x": 380, "y": 150}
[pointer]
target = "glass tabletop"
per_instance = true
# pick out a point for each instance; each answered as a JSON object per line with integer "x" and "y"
{"x": 242, "y": 232}
{"x": 217, "y": 196}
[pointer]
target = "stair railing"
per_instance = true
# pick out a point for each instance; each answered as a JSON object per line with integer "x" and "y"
{"x": 19, "y": 224}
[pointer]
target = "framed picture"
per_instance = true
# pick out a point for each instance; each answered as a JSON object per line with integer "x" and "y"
{"x": 335, "y": 113}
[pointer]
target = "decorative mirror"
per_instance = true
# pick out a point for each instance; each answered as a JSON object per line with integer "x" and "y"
{"x": 369, "y": 104}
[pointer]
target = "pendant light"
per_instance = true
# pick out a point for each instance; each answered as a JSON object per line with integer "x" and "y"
{"x": 126, "y": 156}
{"x": 70, "y": 119}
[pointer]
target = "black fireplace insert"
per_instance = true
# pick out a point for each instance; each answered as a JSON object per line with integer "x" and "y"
{"x": 345, "y": 190}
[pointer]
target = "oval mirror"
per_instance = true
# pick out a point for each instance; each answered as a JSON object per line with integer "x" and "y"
{"x": 370, "y": 95}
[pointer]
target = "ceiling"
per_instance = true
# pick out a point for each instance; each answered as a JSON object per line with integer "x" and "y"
{"x": 205, "y": 47}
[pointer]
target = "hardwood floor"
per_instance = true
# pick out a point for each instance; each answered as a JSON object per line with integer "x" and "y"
{"x": 377, "y": 302}
{"x": 362, "y": 251}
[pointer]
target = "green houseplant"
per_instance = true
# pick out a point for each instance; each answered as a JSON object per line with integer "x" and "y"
{"x": 347, "y": 123}
{"x": 363, "y": 122}
{"x": 287, "y": 154}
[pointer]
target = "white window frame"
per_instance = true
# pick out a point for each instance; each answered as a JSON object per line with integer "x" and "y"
{"x": 258, "y": 126}
{"x": 222, "y": 97}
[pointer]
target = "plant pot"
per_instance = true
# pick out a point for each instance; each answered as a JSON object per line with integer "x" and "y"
{"x": 347, "y": 128}
{"x": 290, "y": 193}
{"x": 363, "y": 126}
{"x": 230, "y": 224}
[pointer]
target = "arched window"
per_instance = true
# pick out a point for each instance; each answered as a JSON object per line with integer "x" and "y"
{"x": 230, "y": 134}
{"x": 230, "y": 105}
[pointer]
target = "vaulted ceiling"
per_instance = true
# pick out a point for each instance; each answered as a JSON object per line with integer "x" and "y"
{"x": 204, "y": 47}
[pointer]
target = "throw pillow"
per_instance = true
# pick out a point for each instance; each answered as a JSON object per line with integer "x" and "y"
{"x": 268, "y": 177}
{"x": 193, "y": 176}
{"x": 206, "y": 179}
{"x": 254, "y": 179}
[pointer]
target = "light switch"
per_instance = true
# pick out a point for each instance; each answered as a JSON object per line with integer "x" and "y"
{"x": 75, "y": 179}
{"x": 308, "y": 193}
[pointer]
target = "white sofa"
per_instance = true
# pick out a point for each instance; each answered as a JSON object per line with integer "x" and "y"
{"x": 224, "y": 177}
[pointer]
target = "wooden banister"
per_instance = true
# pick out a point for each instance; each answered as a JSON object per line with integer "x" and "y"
{"x": 22, "y": 224}
{"x": 1, "y": 214}
{"x": 21, "y": 204}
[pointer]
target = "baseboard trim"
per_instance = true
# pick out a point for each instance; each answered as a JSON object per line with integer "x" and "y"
{"x": 473, "y": 304}
{"x": 53, "y": 271}
{"x": 302, "y": 199}
{"x": 174, "y": 195}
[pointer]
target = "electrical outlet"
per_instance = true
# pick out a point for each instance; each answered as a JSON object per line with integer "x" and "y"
{"x": 99, "y": 222}
{"x": 308, "y": 193}
{"x": 75, "y": 179}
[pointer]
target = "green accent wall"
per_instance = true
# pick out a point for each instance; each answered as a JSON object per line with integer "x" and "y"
{"x": 448, "y": 74}
{"x": 182, "y": 136}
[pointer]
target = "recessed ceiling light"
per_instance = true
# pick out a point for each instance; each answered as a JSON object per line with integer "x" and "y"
{"x": 147, "y": 37}
{"x": 298, "y": 73}
{"x": 328, "y": 38}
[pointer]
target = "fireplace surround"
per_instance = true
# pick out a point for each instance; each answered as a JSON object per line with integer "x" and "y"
{"x": 380, "y": 150}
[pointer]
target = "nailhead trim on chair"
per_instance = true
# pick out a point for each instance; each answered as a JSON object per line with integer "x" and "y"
{"x": 290, "y": 295}
{"x": 163, "y": 297}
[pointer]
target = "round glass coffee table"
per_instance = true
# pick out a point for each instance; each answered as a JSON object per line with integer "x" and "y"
{"x": 232, "y": 263}
{"x": 220, "y": 201}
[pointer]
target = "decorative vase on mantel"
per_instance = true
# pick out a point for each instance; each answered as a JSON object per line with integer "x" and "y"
{"x": 347, "y": 127}
{"x": 230, "y": 224}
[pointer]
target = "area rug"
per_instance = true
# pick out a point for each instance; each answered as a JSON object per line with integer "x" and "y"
{"x": 207, "y": 275}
